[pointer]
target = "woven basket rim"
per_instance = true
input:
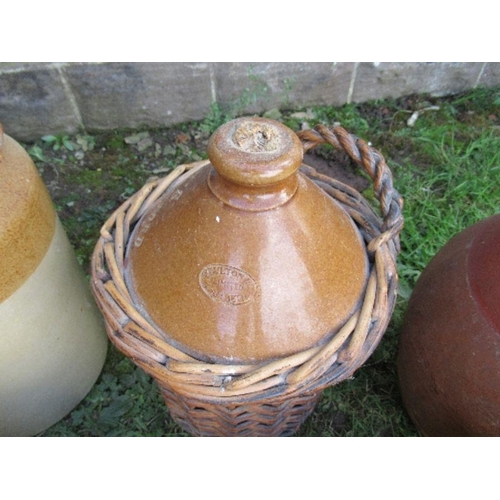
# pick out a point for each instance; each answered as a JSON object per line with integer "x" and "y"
{"x": 309, "y": 370}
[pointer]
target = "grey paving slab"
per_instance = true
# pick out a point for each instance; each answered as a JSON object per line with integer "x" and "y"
{"x": 18, "y": 66}
{"x": 134, "y": 94}
{"x": 383, "y": 80}
{"x": 33, "y": 102}
{"x": 255, "y": 87}
{"x": 490, "y": 75}
{"x": 43, "y": 98}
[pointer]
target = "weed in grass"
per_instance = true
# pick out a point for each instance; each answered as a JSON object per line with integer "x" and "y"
{"x": 124, "y": 402}
{"x": 257, "y": 92}
{"x": 447, "y": 167}
{"x": 215, "y": 118}
{"x": 59, "y": 141}
{"x": 36, "y": 152}
{"x": 348, "y": 116}
{"x": 256, "y": 95}
{"x": 482, "y": 100}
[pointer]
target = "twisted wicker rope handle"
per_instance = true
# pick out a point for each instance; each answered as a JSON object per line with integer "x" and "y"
{"x": 374, "y": 164}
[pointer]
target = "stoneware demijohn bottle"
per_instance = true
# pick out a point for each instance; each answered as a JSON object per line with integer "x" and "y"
{"x": 244, "y": 285}
{"x": 247, "y": 260}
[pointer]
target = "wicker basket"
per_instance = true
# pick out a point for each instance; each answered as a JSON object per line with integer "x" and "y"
{"x": 273, "y": 398}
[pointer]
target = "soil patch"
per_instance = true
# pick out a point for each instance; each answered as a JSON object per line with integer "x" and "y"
{"x": 339, "y": 166}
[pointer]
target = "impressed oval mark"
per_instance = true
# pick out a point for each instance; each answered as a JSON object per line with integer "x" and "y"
{"x": 227, "y": 284}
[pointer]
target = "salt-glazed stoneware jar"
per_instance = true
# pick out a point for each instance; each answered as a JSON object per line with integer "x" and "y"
{"x": 241, "y": 282}
{"x": 449, "y": 353}
{"x": 52, "y": 340}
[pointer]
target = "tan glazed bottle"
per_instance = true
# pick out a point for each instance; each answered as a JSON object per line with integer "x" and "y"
{"x": 247, "y": 260}
{"x": 52, "y": 340}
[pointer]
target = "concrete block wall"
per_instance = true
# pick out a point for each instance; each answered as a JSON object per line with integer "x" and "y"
{"x": 53, "y": 98}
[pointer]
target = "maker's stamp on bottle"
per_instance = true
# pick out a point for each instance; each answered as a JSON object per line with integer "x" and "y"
{"x": 227, "y": 284}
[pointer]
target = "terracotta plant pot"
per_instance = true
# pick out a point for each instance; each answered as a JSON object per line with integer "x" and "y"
{"x": 52, "y": 340}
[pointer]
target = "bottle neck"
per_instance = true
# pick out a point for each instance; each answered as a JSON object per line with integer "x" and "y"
{"x": 252, "y": 198}
{"x": 255, "y": 162}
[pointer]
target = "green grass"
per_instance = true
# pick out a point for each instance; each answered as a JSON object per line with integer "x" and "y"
{"x": 447, "y": 167}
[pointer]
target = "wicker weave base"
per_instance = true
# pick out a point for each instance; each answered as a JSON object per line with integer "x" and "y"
{"x": 271, "y": 417}
{"x": 273, "y": 398}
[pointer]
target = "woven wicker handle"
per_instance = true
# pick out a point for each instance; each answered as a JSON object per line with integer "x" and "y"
{"x": 374, "y": 164}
